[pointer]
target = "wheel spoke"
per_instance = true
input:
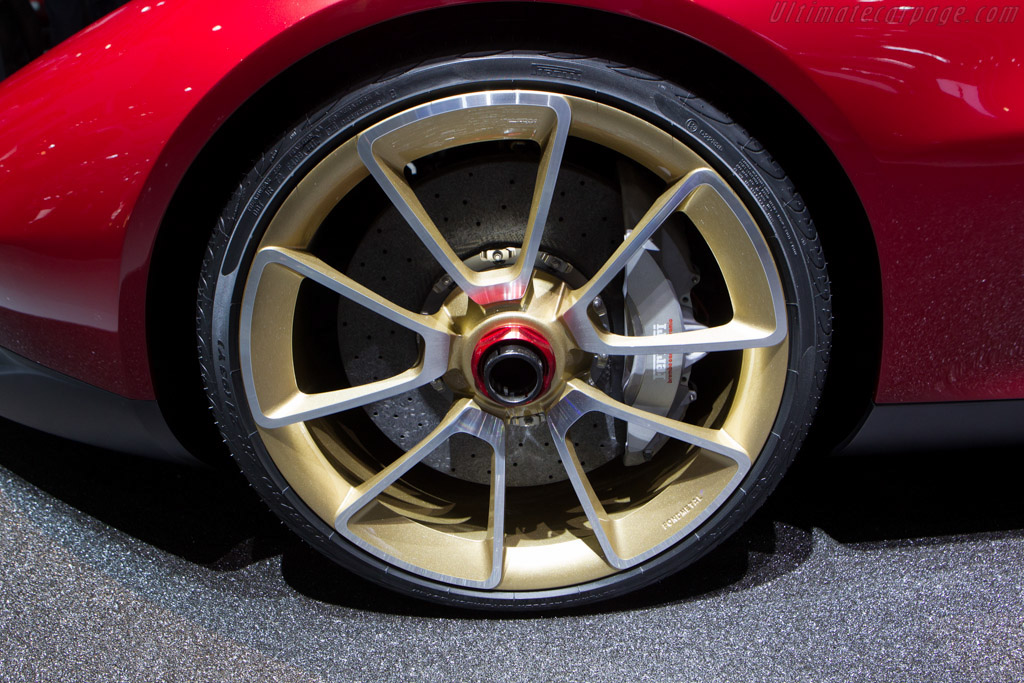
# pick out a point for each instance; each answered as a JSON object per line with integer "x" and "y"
{"x": 299, "y": 406}
{"x": 311, "y": 267}
{"x": 755, "y": 289}
{"x": 732, "y": 336}
{"x": 386, "y": 148}
{"x": 589, "y": 501}
{"x": 464, "y": 417}
{"x": 543, "y": 192}
{"x": 404, "y": 198}
{"x": 663, "y": 207}
{"x": 281, "y": 402}
{"x": 579, "y": 399}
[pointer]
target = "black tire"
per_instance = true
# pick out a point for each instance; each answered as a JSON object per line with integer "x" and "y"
{"x": 741, "y": 160}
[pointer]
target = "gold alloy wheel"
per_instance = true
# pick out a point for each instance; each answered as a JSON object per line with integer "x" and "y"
{"x": 478, "y": 536}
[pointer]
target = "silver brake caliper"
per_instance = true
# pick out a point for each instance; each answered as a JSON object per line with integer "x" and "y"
{"x": 657, "y": 295}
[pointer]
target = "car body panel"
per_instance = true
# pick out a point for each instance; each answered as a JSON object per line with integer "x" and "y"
{"x": 926, "y": 119}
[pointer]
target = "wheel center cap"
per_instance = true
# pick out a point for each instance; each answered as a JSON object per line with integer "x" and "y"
{"x": 513, "y": 364}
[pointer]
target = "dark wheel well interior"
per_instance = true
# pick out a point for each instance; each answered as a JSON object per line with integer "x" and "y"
{"x": 843, "y": 226}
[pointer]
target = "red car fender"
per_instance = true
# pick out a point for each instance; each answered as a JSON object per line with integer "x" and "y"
{"x": 96, "y": 135}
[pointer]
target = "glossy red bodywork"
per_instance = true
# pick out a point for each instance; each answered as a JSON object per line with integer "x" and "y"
{"x": 927, "y": 120}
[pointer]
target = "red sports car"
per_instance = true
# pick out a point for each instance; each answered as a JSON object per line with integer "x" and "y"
{"x": 522, "y": 304}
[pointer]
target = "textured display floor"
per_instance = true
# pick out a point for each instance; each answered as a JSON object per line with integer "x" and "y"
{"x": 888, "y": 568}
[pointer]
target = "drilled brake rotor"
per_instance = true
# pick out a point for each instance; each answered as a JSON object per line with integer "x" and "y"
{"x": 479, "y": 205}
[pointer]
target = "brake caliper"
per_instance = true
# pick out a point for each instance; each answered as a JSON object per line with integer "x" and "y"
{"x": 657, "y": 294}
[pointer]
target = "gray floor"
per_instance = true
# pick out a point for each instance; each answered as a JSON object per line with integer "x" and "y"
{"x": 876, "y": 569}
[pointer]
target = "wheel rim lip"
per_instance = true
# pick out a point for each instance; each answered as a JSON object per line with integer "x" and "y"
{"x": 511, "y": 334}
{"x": 302, "y": 427}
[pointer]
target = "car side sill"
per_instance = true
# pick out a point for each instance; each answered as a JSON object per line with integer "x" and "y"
{"x": 908, "y": 427}
{"x": 50, "y": 401}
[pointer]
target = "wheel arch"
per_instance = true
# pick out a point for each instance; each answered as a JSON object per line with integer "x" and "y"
{"x": 236, "y": 145}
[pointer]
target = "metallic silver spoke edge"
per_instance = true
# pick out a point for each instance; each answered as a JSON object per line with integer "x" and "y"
{"x": 580, "y": 401}
{"x": 465, "y": 418}
{"x": 736, "y": 334}
{"x": 502, "y": 284}
{"x": 301, "y": 406}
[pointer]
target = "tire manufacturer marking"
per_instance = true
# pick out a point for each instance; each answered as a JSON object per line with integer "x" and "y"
{"x": 558, "y": 72}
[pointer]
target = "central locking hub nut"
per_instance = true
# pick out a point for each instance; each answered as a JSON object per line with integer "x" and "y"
{"x": 513, "y": 364}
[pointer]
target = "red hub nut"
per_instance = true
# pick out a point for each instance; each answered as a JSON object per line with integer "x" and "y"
{"x": 513, "y": 364}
